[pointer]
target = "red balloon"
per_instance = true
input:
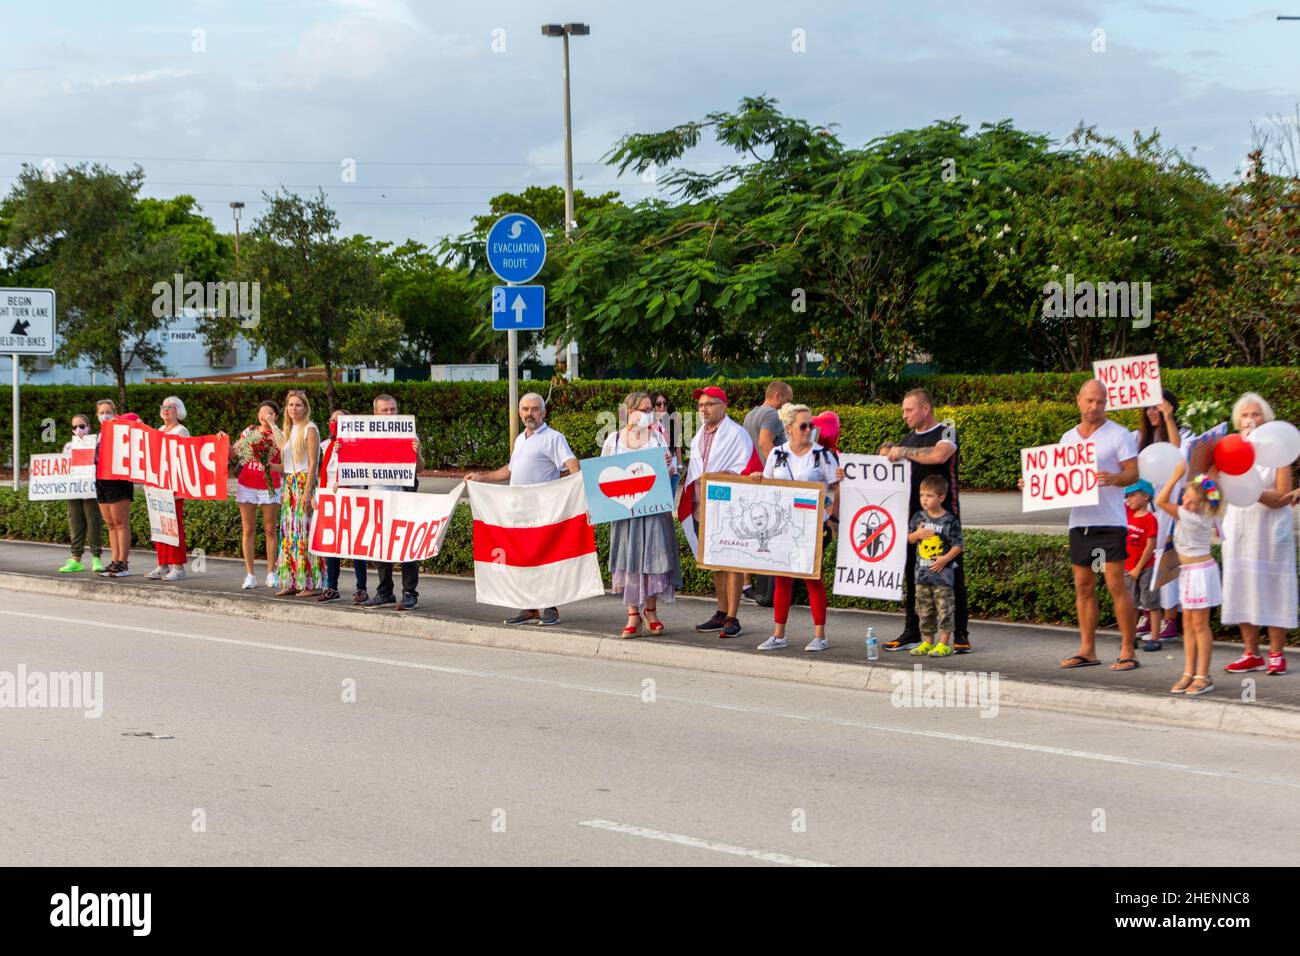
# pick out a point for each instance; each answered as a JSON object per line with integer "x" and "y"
{"x": 1233, "y": 455}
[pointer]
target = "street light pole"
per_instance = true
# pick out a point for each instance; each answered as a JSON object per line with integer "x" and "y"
{"x": 236, "y": 208}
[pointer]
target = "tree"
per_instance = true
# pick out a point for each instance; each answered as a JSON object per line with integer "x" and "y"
{"x": 83, "y": 230}
{"x": 435, "y": 304}
{"x": 314, "y": 288}
{"x": 545, "y": 205}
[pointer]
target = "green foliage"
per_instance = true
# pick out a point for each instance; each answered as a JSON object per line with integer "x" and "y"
{"x": 372, "y": 339}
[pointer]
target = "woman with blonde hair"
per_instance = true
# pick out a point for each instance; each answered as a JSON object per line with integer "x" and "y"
{"x": 1259, "y": 560}
{"x": 300, "y": 572}
{"x": 114, "y": 497}
{"x": 171, "y": 557}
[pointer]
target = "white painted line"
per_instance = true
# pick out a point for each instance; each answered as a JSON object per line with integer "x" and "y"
{"x": 713, "y": 705}
{"x": 697, "y": 843}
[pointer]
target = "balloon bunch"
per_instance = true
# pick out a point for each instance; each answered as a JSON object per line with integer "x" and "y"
{"x": 1271, "y": 445}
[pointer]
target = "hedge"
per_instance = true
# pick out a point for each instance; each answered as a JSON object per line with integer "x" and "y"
{"x": 1010, "y": 576}
{"x": 463, "y": 424}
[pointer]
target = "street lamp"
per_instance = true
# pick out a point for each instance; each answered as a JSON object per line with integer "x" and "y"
{"x": 567, "y": 30}
{"x": 236, "y": 208}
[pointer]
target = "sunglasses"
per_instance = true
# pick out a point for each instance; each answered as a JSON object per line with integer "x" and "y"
{"x": 804, "y": 427}
{"x": 661, "y": 404}
{"x": 80, "y": 428}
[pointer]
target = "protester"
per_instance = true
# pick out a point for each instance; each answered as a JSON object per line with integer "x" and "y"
{"x": 1159, "y": 424}
{"x": 114, "y": 497}
{"x": 329, "y": 471}
{"x": 300, "y": 572}
{"x": 1198, "y": 576}
{"x": 84, "y": 522}
{"x": 387, "y": 405}
{"x": 763, "y": 423}
{"x": 259, "y": 489}
{"x": 1259, "y": 557}
{"x": 799, "y": 458}
{"x": 1100, "y": 531}
{"x": 720, "y": 445}
{"x": 937, "y": 536}
{"x": 171, "y": 557}
{"x": 669, "y": 426}
{"x": 1139, "y": 554}
{"x": 540, "y": 454}
{"x": 931, "y": 447}
{"x": 826, "y": 430}
{"x": 644, "y": 560}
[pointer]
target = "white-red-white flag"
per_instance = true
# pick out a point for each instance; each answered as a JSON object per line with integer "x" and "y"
{"x": 534, "y": 546}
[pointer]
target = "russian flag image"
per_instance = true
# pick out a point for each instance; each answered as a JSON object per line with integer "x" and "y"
{"x": 806, "y": 503}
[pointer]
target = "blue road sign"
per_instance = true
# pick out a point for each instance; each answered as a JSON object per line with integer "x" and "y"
{"x": 516, "y": 248}
{"x": 518, "y": 307}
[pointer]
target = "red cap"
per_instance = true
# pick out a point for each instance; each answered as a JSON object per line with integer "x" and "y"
{"x": 713, "y": 392}
{"x": 129, "y": 417}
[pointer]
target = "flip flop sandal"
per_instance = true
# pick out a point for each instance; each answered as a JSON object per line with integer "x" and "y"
{"x": 1194, "y": 691}
{"x": 1079, "y": 662}
{"x": 1125, "y": 660}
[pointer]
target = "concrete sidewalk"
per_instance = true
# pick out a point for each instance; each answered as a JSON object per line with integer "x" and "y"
{"x": 1024, "y": 656}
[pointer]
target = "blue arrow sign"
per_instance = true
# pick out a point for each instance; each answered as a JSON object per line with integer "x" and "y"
{"x": 518, "y": 307}
{"x": 516, "y": 248}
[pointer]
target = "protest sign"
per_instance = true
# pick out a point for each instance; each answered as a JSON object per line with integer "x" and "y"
{"x": 871, "y": 557}
{"x": 389, "y": 526}
{"x": 67, "y": 474}
{"x": 772, "y": 527}
{"x": 376, "y": 450}
{"x": 163, "y": 527}
{"x": 1059, "y": 476}
{"x": 1130, "y": 382}
{"x": 627, "y": 485}
{"x": 193, "y": 467}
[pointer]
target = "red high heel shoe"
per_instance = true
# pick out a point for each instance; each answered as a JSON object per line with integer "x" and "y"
{"x": 633, "y": 631}
{"x": 656, "y": 627}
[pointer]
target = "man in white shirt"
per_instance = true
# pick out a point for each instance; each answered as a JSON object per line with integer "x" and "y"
{"x": 540, "y": 454}
{"x": 1099, "y": 531}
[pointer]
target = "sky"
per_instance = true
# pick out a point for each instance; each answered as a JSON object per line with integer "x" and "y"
{"x": 434, "y": 106}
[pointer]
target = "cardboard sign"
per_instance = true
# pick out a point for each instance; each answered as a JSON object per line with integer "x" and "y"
{"x": 1199, "y": 451}
{"x": 871, "y": 552}
{"x": 1130, "y": 382}
{"x": 64, "y": 475}
{"x": 376, "y": 450}
{"x": 389, "y": 526}
{"x": 192, "y": 468}
{"x": 1059, "y": 476}
{"x": 768, "y": 527}
{"x": 628, "y": 485}
{"x": 162, "y": 516}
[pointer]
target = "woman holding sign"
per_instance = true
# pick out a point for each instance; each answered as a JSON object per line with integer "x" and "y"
{"x": 171, "y": 557}
{"x": 802, "y": 459}
{"x": 114, "y": 497}
{"x": 644, "y": 560}
{"x": 83, "y": 515}
{"x": 301, "y": 573}
{"x": 259, "y": 489}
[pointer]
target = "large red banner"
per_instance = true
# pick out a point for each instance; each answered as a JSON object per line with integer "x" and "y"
{"x": 192, "y": 468}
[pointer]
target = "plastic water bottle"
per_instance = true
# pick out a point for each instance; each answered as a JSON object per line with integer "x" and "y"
{"x": 873, "y": 646}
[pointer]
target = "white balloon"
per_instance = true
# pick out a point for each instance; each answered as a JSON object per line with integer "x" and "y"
{"x": 1277, "y": 444}
{"x": 1241, "y": 490}
{"x": 1157, "y": 462}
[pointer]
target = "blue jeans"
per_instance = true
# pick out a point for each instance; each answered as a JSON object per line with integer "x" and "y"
{"x": 334, "y": 565}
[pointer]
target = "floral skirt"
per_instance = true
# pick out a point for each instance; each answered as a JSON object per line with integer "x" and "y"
{"x": 298, "y": 568}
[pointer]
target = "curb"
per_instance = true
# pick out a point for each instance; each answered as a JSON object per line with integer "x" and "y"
{"x": 1210, "y": 714}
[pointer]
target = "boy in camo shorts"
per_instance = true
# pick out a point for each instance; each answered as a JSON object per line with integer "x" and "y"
{"x": 937, "y": 536}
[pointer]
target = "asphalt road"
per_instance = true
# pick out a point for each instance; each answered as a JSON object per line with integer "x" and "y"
{"x": 452, "y": 754}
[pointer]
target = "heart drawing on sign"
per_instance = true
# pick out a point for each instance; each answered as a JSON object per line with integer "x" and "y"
{"x": 627, "y": 485}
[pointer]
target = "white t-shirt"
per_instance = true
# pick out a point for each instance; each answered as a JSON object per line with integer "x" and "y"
{"x": 614, "y": 445}
{"x": 538, "y": 457}
{"x": 803, "y": 467}
{"x": 1115, "y": 444}
{"x": 291, "y": 466}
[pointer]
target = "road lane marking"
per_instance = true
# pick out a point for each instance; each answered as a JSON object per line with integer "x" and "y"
{"x": 697, "y": 843}
{"x": 712, "y": 705}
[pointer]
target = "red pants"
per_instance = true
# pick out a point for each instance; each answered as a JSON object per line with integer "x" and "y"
{"x": 170, "y": 553}
{"x": 816, "y": 599}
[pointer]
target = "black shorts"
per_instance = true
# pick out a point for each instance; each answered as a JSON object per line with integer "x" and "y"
{"x": 1085, "y": 542}
{"x": 108, "y": 490}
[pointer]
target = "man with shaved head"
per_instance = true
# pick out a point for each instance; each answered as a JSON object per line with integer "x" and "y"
{"x": 1098, "y": 532}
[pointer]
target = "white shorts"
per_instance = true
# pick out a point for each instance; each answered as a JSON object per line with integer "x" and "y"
{"x": 1198, "y": 585}
{"x": 255, "y": 496}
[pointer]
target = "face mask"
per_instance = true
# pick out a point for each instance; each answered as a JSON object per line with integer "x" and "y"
{"x": 647, "y": 419}
{"x": 104, "y": 417}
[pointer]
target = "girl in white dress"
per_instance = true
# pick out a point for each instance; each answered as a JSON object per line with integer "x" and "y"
{"x": 1259, "y": 557}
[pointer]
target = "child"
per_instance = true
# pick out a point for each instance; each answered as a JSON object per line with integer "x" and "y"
{"x": 937, "y": 536}
{"x": 1138, "y": 565}
{"x": 1198, "y": 578}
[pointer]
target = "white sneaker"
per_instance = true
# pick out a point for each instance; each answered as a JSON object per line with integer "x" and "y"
{"x": 157, "y": 574}
{"x": 817, "y": 644}
{"x": 270, "y": 580}
{"x": 249, "y": 582}
{"x": 774, "y": 643}
{"x": 175, "y": 574}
